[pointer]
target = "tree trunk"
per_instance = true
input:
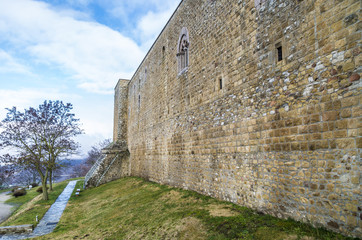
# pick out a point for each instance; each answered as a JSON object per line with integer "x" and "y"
{"x": 44, "y": 180}
{"x": 50, "y": 180}
{"x": 45, "y": 191}
{"x": 34, "y": 178}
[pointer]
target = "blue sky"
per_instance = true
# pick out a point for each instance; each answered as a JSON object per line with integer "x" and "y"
{"x": 75, "y": 51}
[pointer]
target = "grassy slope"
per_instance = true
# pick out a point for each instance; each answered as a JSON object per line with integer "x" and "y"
{"x": 5, "y": 190}
{"x": 131, "y": 208}
{"x": 31, "y": 205}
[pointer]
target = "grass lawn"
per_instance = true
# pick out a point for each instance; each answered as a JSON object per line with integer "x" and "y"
{"x": 31, "y": 205}
{"x": 132, "y": 208}
{"x": 5, "y": 190}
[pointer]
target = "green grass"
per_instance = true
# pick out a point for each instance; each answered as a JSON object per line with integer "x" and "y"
{"x": 27, "y": 210}
{"x": 30, "y": 194}
{"x": 131, "y": 208}
{"x": 5, "y": 190}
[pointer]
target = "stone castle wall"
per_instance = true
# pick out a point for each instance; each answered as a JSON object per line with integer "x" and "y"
{"x": 240, "y": 124}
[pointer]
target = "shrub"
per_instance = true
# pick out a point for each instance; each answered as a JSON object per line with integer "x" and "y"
{"x": 34, "y": 185}
{"x": 40, "y": 189}
{"x": 15, "y": 188}
{"x": 19, "y": 192}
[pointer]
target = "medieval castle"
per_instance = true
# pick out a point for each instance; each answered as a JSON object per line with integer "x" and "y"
{"x": 253, "y": 102}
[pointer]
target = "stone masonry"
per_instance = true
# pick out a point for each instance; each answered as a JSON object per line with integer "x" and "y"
{"x": 114, "y": 162}
{"x": 120, "y": 112}
{"x": 112, "y": 165}
{"x": 253, "y": 102}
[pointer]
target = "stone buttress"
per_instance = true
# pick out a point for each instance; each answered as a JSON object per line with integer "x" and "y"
{"x": 114, "y": 162}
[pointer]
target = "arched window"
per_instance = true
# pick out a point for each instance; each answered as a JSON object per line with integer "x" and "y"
{"x": 183, "y": 50}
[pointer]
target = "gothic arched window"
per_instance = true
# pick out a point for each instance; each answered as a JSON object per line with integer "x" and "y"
{"x": 183, "y": 50}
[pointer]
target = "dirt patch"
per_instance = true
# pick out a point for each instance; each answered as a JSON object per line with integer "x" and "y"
{"x": 172, "y": 195}
{"x": 150, "y": 187}
{"x": 176, "y": 196}
{"x": 190, "y": 228}
{"x": 295, "y": 237}
{"x": 268, "y": 233}
{"x": 221, "y": 211}
{"x": 184, "y": 229}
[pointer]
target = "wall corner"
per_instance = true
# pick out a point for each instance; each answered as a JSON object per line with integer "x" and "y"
{"x": 120, "y": 111}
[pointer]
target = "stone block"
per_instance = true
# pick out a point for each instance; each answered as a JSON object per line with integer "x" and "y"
{"x": 346, "y": 143}
{"x": 27, "y": 228}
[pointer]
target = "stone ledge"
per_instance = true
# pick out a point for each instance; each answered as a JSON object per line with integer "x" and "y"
{"x": 115, "y": 147}
{"x": 27, "y": 228}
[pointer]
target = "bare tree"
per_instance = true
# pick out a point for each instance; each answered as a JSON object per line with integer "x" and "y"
{"x": 80, "y": 170}
{"x": 39, "y": 138}
{"x": 93, "y": 155}
{"x": 96, "y": 151}
{"x": 6, "y": 172}
{"x": 25, "y": 176}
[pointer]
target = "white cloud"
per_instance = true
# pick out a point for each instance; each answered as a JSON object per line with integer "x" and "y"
{"x": 79, "y": 2}
{"x": 148, "y": 25}
{"x": 91, "y": 53}
{"x": 25, "y": 98}
{"x": 9, "y": 64}
{"x": 151, "y": 24}
{"x": 130, "y": 5}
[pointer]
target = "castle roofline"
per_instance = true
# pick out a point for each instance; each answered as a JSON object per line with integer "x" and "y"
{"x": 124, "y": 81}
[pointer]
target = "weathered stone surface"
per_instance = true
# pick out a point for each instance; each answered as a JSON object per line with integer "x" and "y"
{"x": 354, "y": 77}
{"x": 120, "y": 110}
{"x": 113, "y": 165}
{"x": 27, "y": 228}
{"x": 242, "y": 125}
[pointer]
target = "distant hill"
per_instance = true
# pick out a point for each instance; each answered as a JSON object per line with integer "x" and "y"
{"x": 69, "y": 169}
{"x": 72, "y": 162}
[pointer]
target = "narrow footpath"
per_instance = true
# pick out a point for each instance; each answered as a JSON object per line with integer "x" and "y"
{"x": 51, "y": 217}
{"x": 5, "y": 209}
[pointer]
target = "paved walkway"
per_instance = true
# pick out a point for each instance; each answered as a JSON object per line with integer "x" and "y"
{"x": 5, "y": 209}
{"x": 51, "y": 217}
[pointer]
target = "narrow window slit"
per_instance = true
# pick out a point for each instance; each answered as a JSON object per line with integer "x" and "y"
{"x": 280, "y": 53}
{"x": 139, "y": 101}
